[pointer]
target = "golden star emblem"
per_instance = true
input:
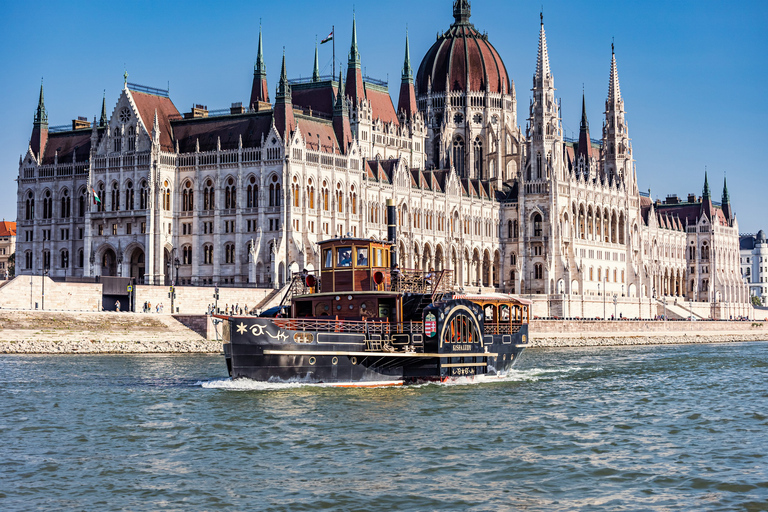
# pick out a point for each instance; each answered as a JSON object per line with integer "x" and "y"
{"x": 242, "y": 328}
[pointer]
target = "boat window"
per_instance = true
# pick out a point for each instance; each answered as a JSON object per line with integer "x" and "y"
{"x": 362, "y": 256}
{"x": 377, "y": 263}
{"x": 327, "y": 259}
{"x": 504, "y": 313}
{"x": 489, "y": 313}
{"x": 344, "y": 257}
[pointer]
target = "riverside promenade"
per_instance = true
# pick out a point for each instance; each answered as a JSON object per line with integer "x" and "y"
{"x": 34, "y": 332}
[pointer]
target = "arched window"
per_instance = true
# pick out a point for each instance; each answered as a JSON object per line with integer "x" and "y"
{"x": 274, "y": 192}
{"x": 131, "y": 139}
{"x": 29, "y": 210}
{"x": 28, "y": 260}
{"x": 513, "y": 259}
{"x": 208, "y": 196}
{"x": 64, "y": 258}
{"x": 537, "y": 230}
{"x": 118, "y": 140}
{"x": 166, "y": 196}
{"x": 101, "y": 198}
{"x": 509, "y": 229}
{"x": 311, "y": 194}
{"x": 295, "y": 192}
{"x": 47, "y": 205}
{"x": 478, "y": 156}
{"x": 326, "y": 198}
{"x": 458, "y": 156}
{"x": 538, "y": 271}
{"x": 129, "y": 195}
{"x": 353, "y": 200}
{"x": 81, "y": 203}
{"x": 339, "y": 199}
{"x": 252, "y": 201}
{"x": 115, "y": 197}
{"x": 80, "y": 258}
{"x": 66, "y": 204}
{"x": 143, "y": 196}
{"x": 229, "y": 253}
{"x": 187, "y": 197}
{"x": 538, "y": 166}
{"x": 208, "y": 254}
{"x": 186, "y": 255}
{"x": 230, "y": 194}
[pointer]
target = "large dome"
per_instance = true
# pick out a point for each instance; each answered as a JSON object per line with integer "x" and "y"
{"x": 460, "y": 54}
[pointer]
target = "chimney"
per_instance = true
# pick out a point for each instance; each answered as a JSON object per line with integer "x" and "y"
{"x": 691, "y": 198}
{"x": 81, "y": 123}
{"x": 672, "y": 199}
{"x": 237, "y": 108}
{"x": 197, "y": 111}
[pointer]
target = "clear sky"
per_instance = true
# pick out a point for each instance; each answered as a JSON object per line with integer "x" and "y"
{"x": 693, "y": 72}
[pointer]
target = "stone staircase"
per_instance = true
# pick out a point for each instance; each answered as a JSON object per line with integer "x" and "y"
{"x": 676, "y": 311}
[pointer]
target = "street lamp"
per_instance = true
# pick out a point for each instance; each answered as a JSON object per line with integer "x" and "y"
{"x": 176, "y": 264}
{"x": 615, "y": 304}
{"x": 664, "y": 301}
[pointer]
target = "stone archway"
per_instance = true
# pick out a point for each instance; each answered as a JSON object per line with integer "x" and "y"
{"x": 137, "y": 265}
{"x": 109, "y": 263}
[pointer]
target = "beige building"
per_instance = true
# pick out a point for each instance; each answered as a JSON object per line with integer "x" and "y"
{"x": 7, "y": 246}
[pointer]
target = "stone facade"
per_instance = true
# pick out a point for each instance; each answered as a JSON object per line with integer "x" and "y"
{"x": 243, "y": 196}
{"x": 754, "y": 264}
{"x": 7, "y": 247}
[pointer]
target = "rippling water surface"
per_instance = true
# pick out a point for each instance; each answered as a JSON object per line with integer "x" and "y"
{"x": 638, "y": 428}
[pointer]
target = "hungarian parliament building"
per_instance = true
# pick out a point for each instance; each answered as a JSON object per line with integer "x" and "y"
{"x": 242, "y": 196}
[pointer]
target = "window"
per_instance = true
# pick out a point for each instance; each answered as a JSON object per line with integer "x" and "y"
{"x": 513, "y": 259}
{"x": 66, "y": 204}
{"x": 166, "y": 196}
{"x": 80, "y": 258}
{"x": 208, "y": 196}
{"x": 118, "y": 141}
{"x": 327, "y": 259}
{"x": 362, "y": 257}
{"x": 274, "y": 192}
{"x": 344, "y": 257}
{"x": 311, "y": 194}
{"x": 131, "y": 139}
{"x": 129, "y": 196}
{"x": 143, "y": 196}
{"x": 208, "y": 254}
{"x": 129, "y": 229}
{"x": 143, "y": 228}
{"x": 229, "y": 253}
{"x": 28, "y": 260}
{"x": 64, "y": 258}
{"x": 538, "y": 271}
{"x": 101, "y": 197}
{"x": 114, "y": 229}
{"x": 47, "y": 205}
{"x": 115, "y": 197}
{"x": 230, "y": 194}
{"x": 101, "y": 229}
{"x": 186, "y": 255}
{"x": 295, "y": 192}
{"x": 458, "y": 156}
{"x": 29, "y": 210}
{"x": 478, "y": 157}
{"x": 187, "y": 197}
{"x": 252, "y": 199}
{"x": 537, "y": 231}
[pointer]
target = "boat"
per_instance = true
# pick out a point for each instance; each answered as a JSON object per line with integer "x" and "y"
{"x": 362, "y": 321}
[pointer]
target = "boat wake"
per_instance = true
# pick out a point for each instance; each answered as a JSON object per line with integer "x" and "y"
{"x": 527, "y": 375}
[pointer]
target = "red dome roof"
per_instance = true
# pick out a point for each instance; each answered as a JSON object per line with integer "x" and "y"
{"x": 462, "y": 54}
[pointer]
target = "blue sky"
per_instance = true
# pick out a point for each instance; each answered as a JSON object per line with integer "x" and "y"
{"x": 693, "y": 73}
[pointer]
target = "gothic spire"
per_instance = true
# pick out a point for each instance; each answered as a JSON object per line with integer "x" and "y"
{"x": 261, "y": 67}
{"x": 283, "y": 88}
{"x": 462, "y": 11}
{"x": 340, "y": 105}
{"x": 41, "y": 116}
{"x": 614, "y": 91}
{"x": 726, "y": 197}
{"x": 585, "y": 143}
{"x": 259, "y": 89}
{"x": 316, "y": 70}
{"x": 407, "y": 70}
{"x": 584, "y": 122}
{"x": 354, "y": 54}
{"x": 103, "y": 119}
{"x": 542, "y": 62}
{"x": 283, "y": 110}
{"x": 706, "y": 195}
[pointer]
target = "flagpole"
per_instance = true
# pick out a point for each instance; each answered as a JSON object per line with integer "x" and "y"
{"x": 333, "y": 28}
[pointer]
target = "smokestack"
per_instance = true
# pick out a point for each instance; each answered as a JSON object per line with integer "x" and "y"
{"x": 392, "y": 230}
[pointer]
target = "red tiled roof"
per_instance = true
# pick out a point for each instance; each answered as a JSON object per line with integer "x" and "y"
{"x": 147, "y": 104}
{"x": 319, "y": 135}
{"x": 381, "y": 106}
{"x": 319, "y": 99}
{"x": 7, "y": 228}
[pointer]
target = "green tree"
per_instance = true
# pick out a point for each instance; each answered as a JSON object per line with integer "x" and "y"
{"x": 757, "y": 301}
{"x": 12, "y": 265}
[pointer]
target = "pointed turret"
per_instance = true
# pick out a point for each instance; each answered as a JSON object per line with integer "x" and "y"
{"x": 354, "y": 88}
{"x": 726, "y": 202}
{"x": 103, "y": 119}
{"x": 617, "y": 151}
{"x": 542, "y": 62}
{"x": 407, "y": 101}
{"x": 585, "y": 144}
{"x": 259, "y": 91}
{"x": 341, "y": 124}
{"x": 316, "y": 70}
{"x": 40, "y": 127}
{"x": 614, "y": 91}
{"x": 284, "y": 120}
{"x": 706, "y": 199}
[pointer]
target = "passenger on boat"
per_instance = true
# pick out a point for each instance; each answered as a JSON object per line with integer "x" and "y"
{"x": 362, "y": 257}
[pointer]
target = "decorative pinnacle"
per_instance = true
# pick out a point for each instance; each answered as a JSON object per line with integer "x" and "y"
{"x": 614, "y": 90}
{"x": 316, "y": 70}
{"x": 41, "y": 116}
{"x": 354, "y": 54}
{"x": 462, "y": 10}
{"x": 407, "y": 70}
{"x": 542, "y": 62}
{"x": 726, "y": 197}
{"x": 260, "y": 67}
{"x": 584, "y": 121}
{"x": 706, "y": 195}
{"x": 125, "y": 77}
{"x": 103, "y": 120}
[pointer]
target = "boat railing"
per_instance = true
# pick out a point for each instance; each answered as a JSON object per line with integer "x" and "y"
{"x": 349, "y": 326}
{"x": 502, "y": 328}
{"x": 431, "y": 282}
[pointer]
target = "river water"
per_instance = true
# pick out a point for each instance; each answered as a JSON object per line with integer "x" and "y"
{"x": 631, "y": 428}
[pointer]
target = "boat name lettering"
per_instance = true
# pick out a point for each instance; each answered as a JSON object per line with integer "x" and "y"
{"x": 462, "y": 371}
{"x": 462, "y": 348}
{"x": 258, "y": 330}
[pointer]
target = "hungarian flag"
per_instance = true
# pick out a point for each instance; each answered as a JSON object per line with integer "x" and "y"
{"x": 329, "y": 38}
{"x": 95, "y": 196}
